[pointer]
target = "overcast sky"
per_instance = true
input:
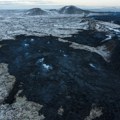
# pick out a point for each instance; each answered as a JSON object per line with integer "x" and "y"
{"x": 38, "y": 3}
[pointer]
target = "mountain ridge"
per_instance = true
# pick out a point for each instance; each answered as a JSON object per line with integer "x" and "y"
{"x": 36, "y": 11}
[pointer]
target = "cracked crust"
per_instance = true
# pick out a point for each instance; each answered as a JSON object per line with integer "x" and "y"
{"x": 21, "y": 109}
{"x": 6, "y": 82}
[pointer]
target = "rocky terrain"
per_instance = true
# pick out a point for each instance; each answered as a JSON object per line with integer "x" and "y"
{"x": 58, "y": 67}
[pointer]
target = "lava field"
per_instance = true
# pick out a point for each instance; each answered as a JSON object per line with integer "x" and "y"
{"x": 52, "y": 74}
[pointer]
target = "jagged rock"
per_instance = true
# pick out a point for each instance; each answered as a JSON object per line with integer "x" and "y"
{"x": 94, "y": 113}
{"x": 21, "y": 109}
{"x": 60, "y": 111}
{"x": 6, "y": 82}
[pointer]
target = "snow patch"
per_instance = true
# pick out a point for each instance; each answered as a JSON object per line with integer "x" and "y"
{"x": 92, "y": 65}
{"x": 32, "y": 40}
{"x": 94, "y": 113}
{"x": 109, "y": 37}
{"x": 40, "y": 60}
{"x": 57, "y": 25}
{"x": 47, "y": 67}
{"x": 65, "y": 55}
{"x": 26, "y": 45}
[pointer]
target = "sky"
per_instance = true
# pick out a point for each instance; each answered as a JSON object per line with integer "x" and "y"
{"x": 46, "y": 3}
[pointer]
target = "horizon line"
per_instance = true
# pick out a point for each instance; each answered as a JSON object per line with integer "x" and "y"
{"x": 55, "y": 5}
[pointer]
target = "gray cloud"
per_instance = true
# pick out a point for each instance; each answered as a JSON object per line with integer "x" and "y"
{"x": 25, "y": 2}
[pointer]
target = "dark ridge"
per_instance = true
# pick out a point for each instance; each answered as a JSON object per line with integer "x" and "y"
{"x": 52, "y": 74}
{"x": 115, "y": 64}
{"x": 110, "y": 17}
{"x": 88, "y": 37}
{"x": 36, "y": 11}
{"x": 11, "y": 98}
{"x": 72, "y": 10}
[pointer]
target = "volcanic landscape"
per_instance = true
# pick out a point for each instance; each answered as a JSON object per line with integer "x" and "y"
{"x": 59, "y": 65}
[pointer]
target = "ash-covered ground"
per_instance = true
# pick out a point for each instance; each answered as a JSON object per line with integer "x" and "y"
{"x": 62, "y": 67}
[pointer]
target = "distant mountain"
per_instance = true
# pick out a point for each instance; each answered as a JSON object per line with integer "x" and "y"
{"x": 72, "y": 10}
{"x": 52, "y": 11}
{"x": 63, "y": 10}
{"x": 36, "y": 11}
{"x": 107, "y": 9}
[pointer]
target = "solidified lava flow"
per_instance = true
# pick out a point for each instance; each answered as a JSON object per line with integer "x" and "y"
{"x": 91, "y": 38}
{"x": 51, "y": 73}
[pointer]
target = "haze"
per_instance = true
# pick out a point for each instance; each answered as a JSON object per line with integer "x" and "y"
{"x": 47, "y": 3}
